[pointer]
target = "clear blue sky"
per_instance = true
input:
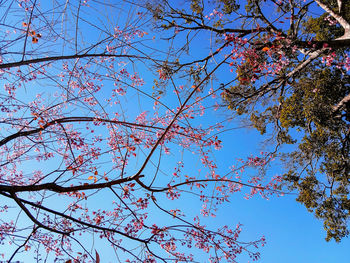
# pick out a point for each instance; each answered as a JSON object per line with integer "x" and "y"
{"x": 292, "y": 233}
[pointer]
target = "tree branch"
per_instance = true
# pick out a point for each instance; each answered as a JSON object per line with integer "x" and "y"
{"x": 21, "y": 205}
{"x": 341, "y": 20}
{"x": 64, "y": 189}
{"x": 311, "y": 58}
{"x": 341, "y": 103}
{"x": 68, "y": 57}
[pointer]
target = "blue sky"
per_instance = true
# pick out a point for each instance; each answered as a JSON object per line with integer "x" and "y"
{"x": 292, "y": 233}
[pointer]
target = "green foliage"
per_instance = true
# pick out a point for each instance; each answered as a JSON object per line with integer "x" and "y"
{"x": 196, "y": 6}
{"x": 228, "y": 6}
{"x": 321, "y": 28}
{"x": 259, "y": 122}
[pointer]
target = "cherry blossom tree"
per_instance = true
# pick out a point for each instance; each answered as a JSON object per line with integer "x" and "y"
{"x": 92, "y": 154}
